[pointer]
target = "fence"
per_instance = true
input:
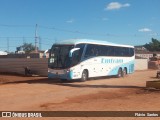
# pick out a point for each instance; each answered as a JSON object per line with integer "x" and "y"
{"x": 39, "y": 66}
{"x": 17, "y": 65}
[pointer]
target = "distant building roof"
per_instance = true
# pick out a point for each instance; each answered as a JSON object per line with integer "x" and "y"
{"x": 140, "y": 48}
{"x": 146, "y": 52}
{"x": 139, "y": 57}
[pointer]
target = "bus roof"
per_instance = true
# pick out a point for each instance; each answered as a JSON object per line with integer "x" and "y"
{"x": 89, "y": 41}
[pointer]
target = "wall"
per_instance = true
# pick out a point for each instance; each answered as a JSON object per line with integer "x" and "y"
{"x": 146, "y": 55}
{"x": 141, "y": 64}
{"x": 37, "y": 65}
{"x": 154, "y": 64}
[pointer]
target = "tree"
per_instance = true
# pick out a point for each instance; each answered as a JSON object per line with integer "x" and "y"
{"x": 28, "y": 47}
{"x": 154, "y": 45}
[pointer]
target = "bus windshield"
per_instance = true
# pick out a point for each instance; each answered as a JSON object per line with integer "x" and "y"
{"x": 59, "y": 56}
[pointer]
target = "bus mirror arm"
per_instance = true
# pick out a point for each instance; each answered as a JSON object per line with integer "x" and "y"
{"x": 72, "y": 50}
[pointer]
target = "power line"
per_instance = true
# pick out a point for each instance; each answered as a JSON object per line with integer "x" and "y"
{"x": 80, "y": 32}
{"x": 46, "y": 44}
{"x": 97, "y": 34}
{"x": 5, "y": 25}
{"x": 18, "y": 37}
{"x": 70, "y": 31}
{"x": 37, "y": 39}
{"x": 24, "y": 40}
{"x": 7, "y": 46}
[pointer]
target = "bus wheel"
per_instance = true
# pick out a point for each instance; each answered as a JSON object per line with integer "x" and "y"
{"x": 119, "y": 74}
{"x": 64, "y": 80}
{"x": 84, "y": 76}
{"x": 124, "y": 72}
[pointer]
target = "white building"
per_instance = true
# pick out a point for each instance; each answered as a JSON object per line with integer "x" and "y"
{"x": 3, "y": 53}
{"x": 146, "y": 54}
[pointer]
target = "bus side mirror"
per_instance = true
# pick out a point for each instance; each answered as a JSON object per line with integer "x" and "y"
{"x": 72, "y": 50}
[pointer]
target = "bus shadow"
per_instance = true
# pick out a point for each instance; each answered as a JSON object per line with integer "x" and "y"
{"x": 35, "y": 81}
{"x": 50, "y": 81}
{"x": 76, "y": 83}
{"x": 97, "y": 86}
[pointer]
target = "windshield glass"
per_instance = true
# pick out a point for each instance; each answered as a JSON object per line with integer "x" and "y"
{"x": 77, "y": 55}
{"x": 59, "y": 56}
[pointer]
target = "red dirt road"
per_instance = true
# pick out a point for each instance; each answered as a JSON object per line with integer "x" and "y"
{"x": 107, "y": 94}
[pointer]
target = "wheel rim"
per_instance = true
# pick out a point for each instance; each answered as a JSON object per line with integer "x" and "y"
{"x": 119, "y": 73}
{"x": 124, "y": 72}
{"x": 84, "y": 75}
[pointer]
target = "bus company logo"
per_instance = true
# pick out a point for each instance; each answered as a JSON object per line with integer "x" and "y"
{"x": 103, "y": 60}
{"x": 6, "y": 114}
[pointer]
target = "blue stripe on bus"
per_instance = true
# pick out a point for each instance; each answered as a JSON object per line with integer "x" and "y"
{"x": 68, "y": 76}
{"x": 129, "y": 66}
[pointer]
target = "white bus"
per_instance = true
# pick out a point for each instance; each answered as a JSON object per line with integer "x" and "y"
{"x": 85, "y": 58}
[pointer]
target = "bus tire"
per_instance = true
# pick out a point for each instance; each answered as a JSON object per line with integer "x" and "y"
{"x": 84, "y": 76}
{"x": 119, "y": 74}
{"x": 63, "y": 80}
{"x": 124, "y": 73}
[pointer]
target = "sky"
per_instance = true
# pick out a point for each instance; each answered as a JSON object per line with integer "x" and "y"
{"x": 132, "y": 22}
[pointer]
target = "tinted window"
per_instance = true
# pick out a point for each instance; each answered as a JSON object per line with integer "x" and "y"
{"x": 102, "y": 50}
{"x": 92, "y": 50}
{"x": 81, "y": 46}
{"x": 77, "y": 54}
{"x": 59, "y": 56}
{"x": 131, "y": 51}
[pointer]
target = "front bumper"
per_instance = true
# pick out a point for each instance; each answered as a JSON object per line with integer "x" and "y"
{"x": 61, "y": 74}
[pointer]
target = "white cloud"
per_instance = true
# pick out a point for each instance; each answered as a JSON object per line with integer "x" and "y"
{"x": 145, "y": 30}
{"x": 154, "y": 34}
{"x": 105, "y": 19}
{"x": 126, "y": 5}
{"x": 70, "y": 21}
{"x": 116, "y": 5}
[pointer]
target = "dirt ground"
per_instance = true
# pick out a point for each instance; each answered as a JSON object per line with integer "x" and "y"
{"x": 18, "y": 93}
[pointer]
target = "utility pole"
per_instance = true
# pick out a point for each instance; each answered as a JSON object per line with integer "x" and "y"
{"x": 40, "y": 43}
{"x": 8, "y": 45}
{"x": 36, "y": 39}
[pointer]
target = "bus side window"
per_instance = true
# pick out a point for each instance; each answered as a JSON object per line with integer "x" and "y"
{"x": 117, "y": 51}
{"x": 87, "y": 51}
{"x": 94, "y": 50}
{"x": 131, "y": 52}
{"x": 104, "y": 50}
{"x": 76, "y": 57}
{"x": 111, "y": 51}
{"x": 126, "y": 52}
{"x": 90, "y": 51}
